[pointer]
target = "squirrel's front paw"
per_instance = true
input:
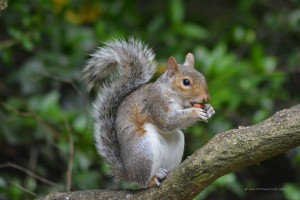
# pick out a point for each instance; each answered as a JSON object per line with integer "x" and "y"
{"x": 209, "y": 110}
{"x": 201, "y": 114}
{"x": 205, "y": 113}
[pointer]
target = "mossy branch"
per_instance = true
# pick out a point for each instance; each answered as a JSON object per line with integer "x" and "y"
{"x": 226, "y": 152}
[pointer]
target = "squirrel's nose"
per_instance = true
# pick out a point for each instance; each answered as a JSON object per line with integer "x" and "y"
{"x": 206, "y": 98}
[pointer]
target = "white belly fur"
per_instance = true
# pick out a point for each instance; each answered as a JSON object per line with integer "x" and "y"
{"x": 167, "y": 148}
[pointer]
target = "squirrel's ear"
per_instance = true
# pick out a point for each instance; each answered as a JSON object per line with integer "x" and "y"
{"x": 172, "y": 66}
{"x": 189, "y": 59}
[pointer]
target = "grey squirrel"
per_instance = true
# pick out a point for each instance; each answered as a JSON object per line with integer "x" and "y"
{"x": 138, "y": 124}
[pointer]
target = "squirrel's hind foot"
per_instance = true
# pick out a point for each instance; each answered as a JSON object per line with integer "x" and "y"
{"x": 160, "y": 176}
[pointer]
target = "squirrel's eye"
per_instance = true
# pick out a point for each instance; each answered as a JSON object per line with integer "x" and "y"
{"x": 186, "y": 82}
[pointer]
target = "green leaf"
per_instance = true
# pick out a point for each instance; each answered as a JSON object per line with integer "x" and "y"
{"x": 176, "y": 10}
{"x": 49, "y": 107}
{"x": 27, "y": 43}
{"x": 291, "y": 191}
{"x": 192, "y": 31}
{"x": 3, "y": 183}
{"x": 49, "y": 102}
{"x": 80, "y": 123}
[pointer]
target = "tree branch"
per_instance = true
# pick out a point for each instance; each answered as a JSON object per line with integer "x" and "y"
{"x": 225, "y": 153}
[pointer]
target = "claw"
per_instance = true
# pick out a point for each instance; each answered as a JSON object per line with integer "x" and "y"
{"x": 209, "y": 110}
{"x": 157, "y": 182}
{"x": 160, "y": 176}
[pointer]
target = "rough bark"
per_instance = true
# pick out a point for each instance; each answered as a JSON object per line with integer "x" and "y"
{"x": 226, "y": 152}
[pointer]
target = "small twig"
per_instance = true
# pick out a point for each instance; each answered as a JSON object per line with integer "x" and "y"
{"x": 24, "y": 189}
{"x": 54, "y": 132}
{"x": 22, "y": 114}
{"x": 71, "y": 155}
{"x": 12, "y": 165}
{"x": 33, "y": 156}
{"x": 32, "y": 115}
{"x": 66, "y": 80}
{"x": 12, "y": 42}
{"x": 8, "y": 43}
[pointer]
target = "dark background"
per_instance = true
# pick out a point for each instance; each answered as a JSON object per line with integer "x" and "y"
{"x": 248, "y": 50}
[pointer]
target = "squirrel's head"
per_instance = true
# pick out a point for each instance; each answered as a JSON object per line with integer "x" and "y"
{"x": 187, "y": 82}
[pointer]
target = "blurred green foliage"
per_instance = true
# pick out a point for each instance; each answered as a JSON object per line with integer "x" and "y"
{"x": 248, "y": 50}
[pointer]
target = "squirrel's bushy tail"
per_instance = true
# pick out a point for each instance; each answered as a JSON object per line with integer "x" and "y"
{"x": 118, "y": 68}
